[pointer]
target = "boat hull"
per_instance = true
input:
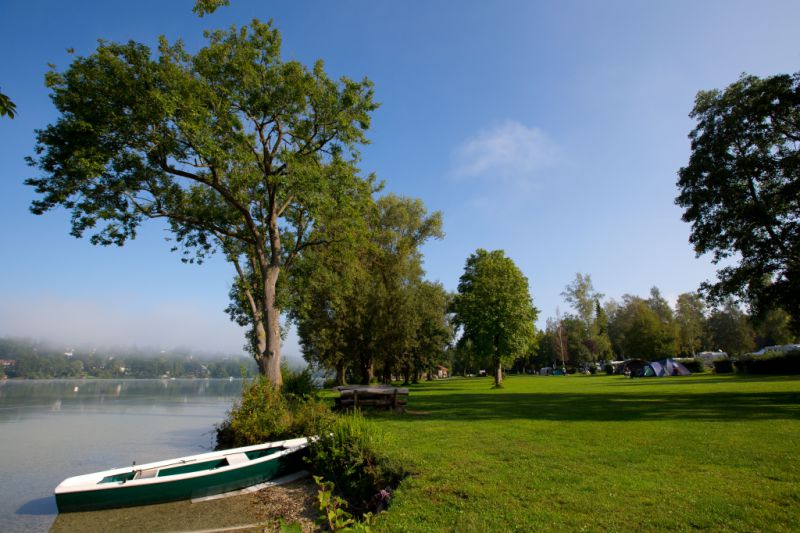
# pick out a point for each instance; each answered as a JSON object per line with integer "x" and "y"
{"x": 183, "y": 487}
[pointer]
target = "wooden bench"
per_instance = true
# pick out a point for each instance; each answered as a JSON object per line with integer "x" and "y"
{"x": 353, "y": 397}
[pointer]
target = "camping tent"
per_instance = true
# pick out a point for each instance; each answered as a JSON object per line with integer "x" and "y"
{"x": 665, "y": 367}
{"x": 674, "y": 368}
{"x": 653, "y": 369}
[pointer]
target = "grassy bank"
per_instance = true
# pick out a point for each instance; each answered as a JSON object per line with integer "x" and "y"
{"x": 599, "y": 453}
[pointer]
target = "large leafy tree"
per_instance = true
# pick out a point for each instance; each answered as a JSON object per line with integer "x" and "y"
{"x": 772, "y": 328}
{"x": 239, "y": 151}
{"x": 729, "y": 329}
{"x": 493, "y": 306}
{"x": 600, "y": 334}
{"x": 590, "y": 342}
{"x": 638, "y": 330}
{"x": 364, "y": 305}
{"x": 580, "y": 294}
{"x": 741, "y": 189}
{"x": 690, "y": 320}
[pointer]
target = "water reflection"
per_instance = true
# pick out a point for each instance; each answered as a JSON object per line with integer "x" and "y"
{"x": 53, "y": 429}
{"x": 20, "y": 397}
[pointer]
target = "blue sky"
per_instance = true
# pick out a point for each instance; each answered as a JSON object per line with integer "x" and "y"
{"x": 552, "y": 130}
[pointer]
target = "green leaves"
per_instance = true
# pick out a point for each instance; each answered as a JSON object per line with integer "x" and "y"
{"x": 238, "y": 150}
{"x": 494, "y": 307}
{"x": 206, "y": 7}
{"x": 7, "y": 107}
{"x": 741, "y": 188}
{"x": 363, "y": 300}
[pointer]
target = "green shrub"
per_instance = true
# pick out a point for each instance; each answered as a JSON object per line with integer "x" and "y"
{"x": 297, "y": 384}
{"x": 723, "y": 366}
{"x": 609, "y": 368}
{"x": 333, "y": 511}
{"x": 265, "y": 414}
{"x": 352, "y": 456}
{"x": 770, "y": 363}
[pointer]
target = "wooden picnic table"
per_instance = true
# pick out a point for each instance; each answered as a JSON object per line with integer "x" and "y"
{"x": 354, "y": 396}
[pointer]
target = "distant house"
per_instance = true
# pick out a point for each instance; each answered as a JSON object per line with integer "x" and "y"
{"x": 8, "y": 362}
{"x": 442, "y": 372}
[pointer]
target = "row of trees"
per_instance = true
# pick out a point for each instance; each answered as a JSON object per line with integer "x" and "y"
{"x": 650, "y": 328}
{"x": 33, "y": 360}
{"x": 363, "y": 308}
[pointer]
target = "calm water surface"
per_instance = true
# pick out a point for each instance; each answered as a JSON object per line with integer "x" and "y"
{"x": 51, "y": 430}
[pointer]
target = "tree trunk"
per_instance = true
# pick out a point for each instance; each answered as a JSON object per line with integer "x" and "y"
{"x": 386, "y": 374}
{"x": 270, "y": 361}
{"x": 366, "y": 371}
{"x": 340, "y": 373}
{"x": 498, "y": 373}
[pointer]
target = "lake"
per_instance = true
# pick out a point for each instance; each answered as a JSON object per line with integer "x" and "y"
{"x": 54, "y": 429}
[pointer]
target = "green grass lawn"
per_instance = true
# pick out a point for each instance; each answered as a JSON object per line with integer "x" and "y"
{"x": 599, "y": 453}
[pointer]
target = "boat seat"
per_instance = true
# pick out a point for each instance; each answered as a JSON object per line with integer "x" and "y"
{"x": 145, "y": 474}
{"x": 237, "y": 458}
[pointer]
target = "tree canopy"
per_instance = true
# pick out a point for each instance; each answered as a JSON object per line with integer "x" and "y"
{"x": 239, "y": 151}
{"x": 206, "y": 7}
{"x": 364, "y": 306}
{"x": 493, "y": 306}
{"x": 741, "y": 189}
{"x": 586, "y": 333}
{"x": 7, "y": 107}
{"x": 690, "y": 319}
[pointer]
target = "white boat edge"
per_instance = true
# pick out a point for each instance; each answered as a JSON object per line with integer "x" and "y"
{"x": 92, "y": 481}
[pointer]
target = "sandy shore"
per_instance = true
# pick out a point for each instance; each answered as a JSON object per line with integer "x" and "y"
{"x": 258, "y": 511}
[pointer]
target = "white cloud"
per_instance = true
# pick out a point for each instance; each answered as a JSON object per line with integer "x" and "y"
{"x": 510, "y": 152}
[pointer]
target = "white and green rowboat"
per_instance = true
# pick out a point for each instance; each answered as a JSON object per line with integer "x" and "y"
{"x": 195, "y": 476}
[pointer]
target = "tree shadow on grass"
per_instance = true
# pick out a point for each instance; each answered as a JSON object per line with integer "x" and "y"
{"x": 623, "y": 406}
{"x": 693, "y": 380}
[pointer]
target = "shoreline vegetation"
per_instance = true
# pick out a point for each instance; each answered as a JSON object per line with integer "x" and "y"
{"x": 28, "y": 359}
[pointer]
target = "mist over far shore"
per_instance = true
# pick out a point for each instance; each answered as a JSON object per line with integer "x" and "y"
{"x": 131, "y": 325}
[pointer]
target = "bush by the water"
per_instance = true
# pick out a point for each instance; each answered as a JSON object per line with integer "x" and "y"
{"x": 352, "y": 455}
{"x": 297, "y": 384}
{"x": 770, "y": 363}
{"x": 266, "y": 413}
{"x": 723, "y": 366}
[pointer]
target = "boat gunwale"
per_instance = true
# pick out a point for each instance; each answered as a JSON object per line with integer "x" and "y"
{"x": 92, "y": 481}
